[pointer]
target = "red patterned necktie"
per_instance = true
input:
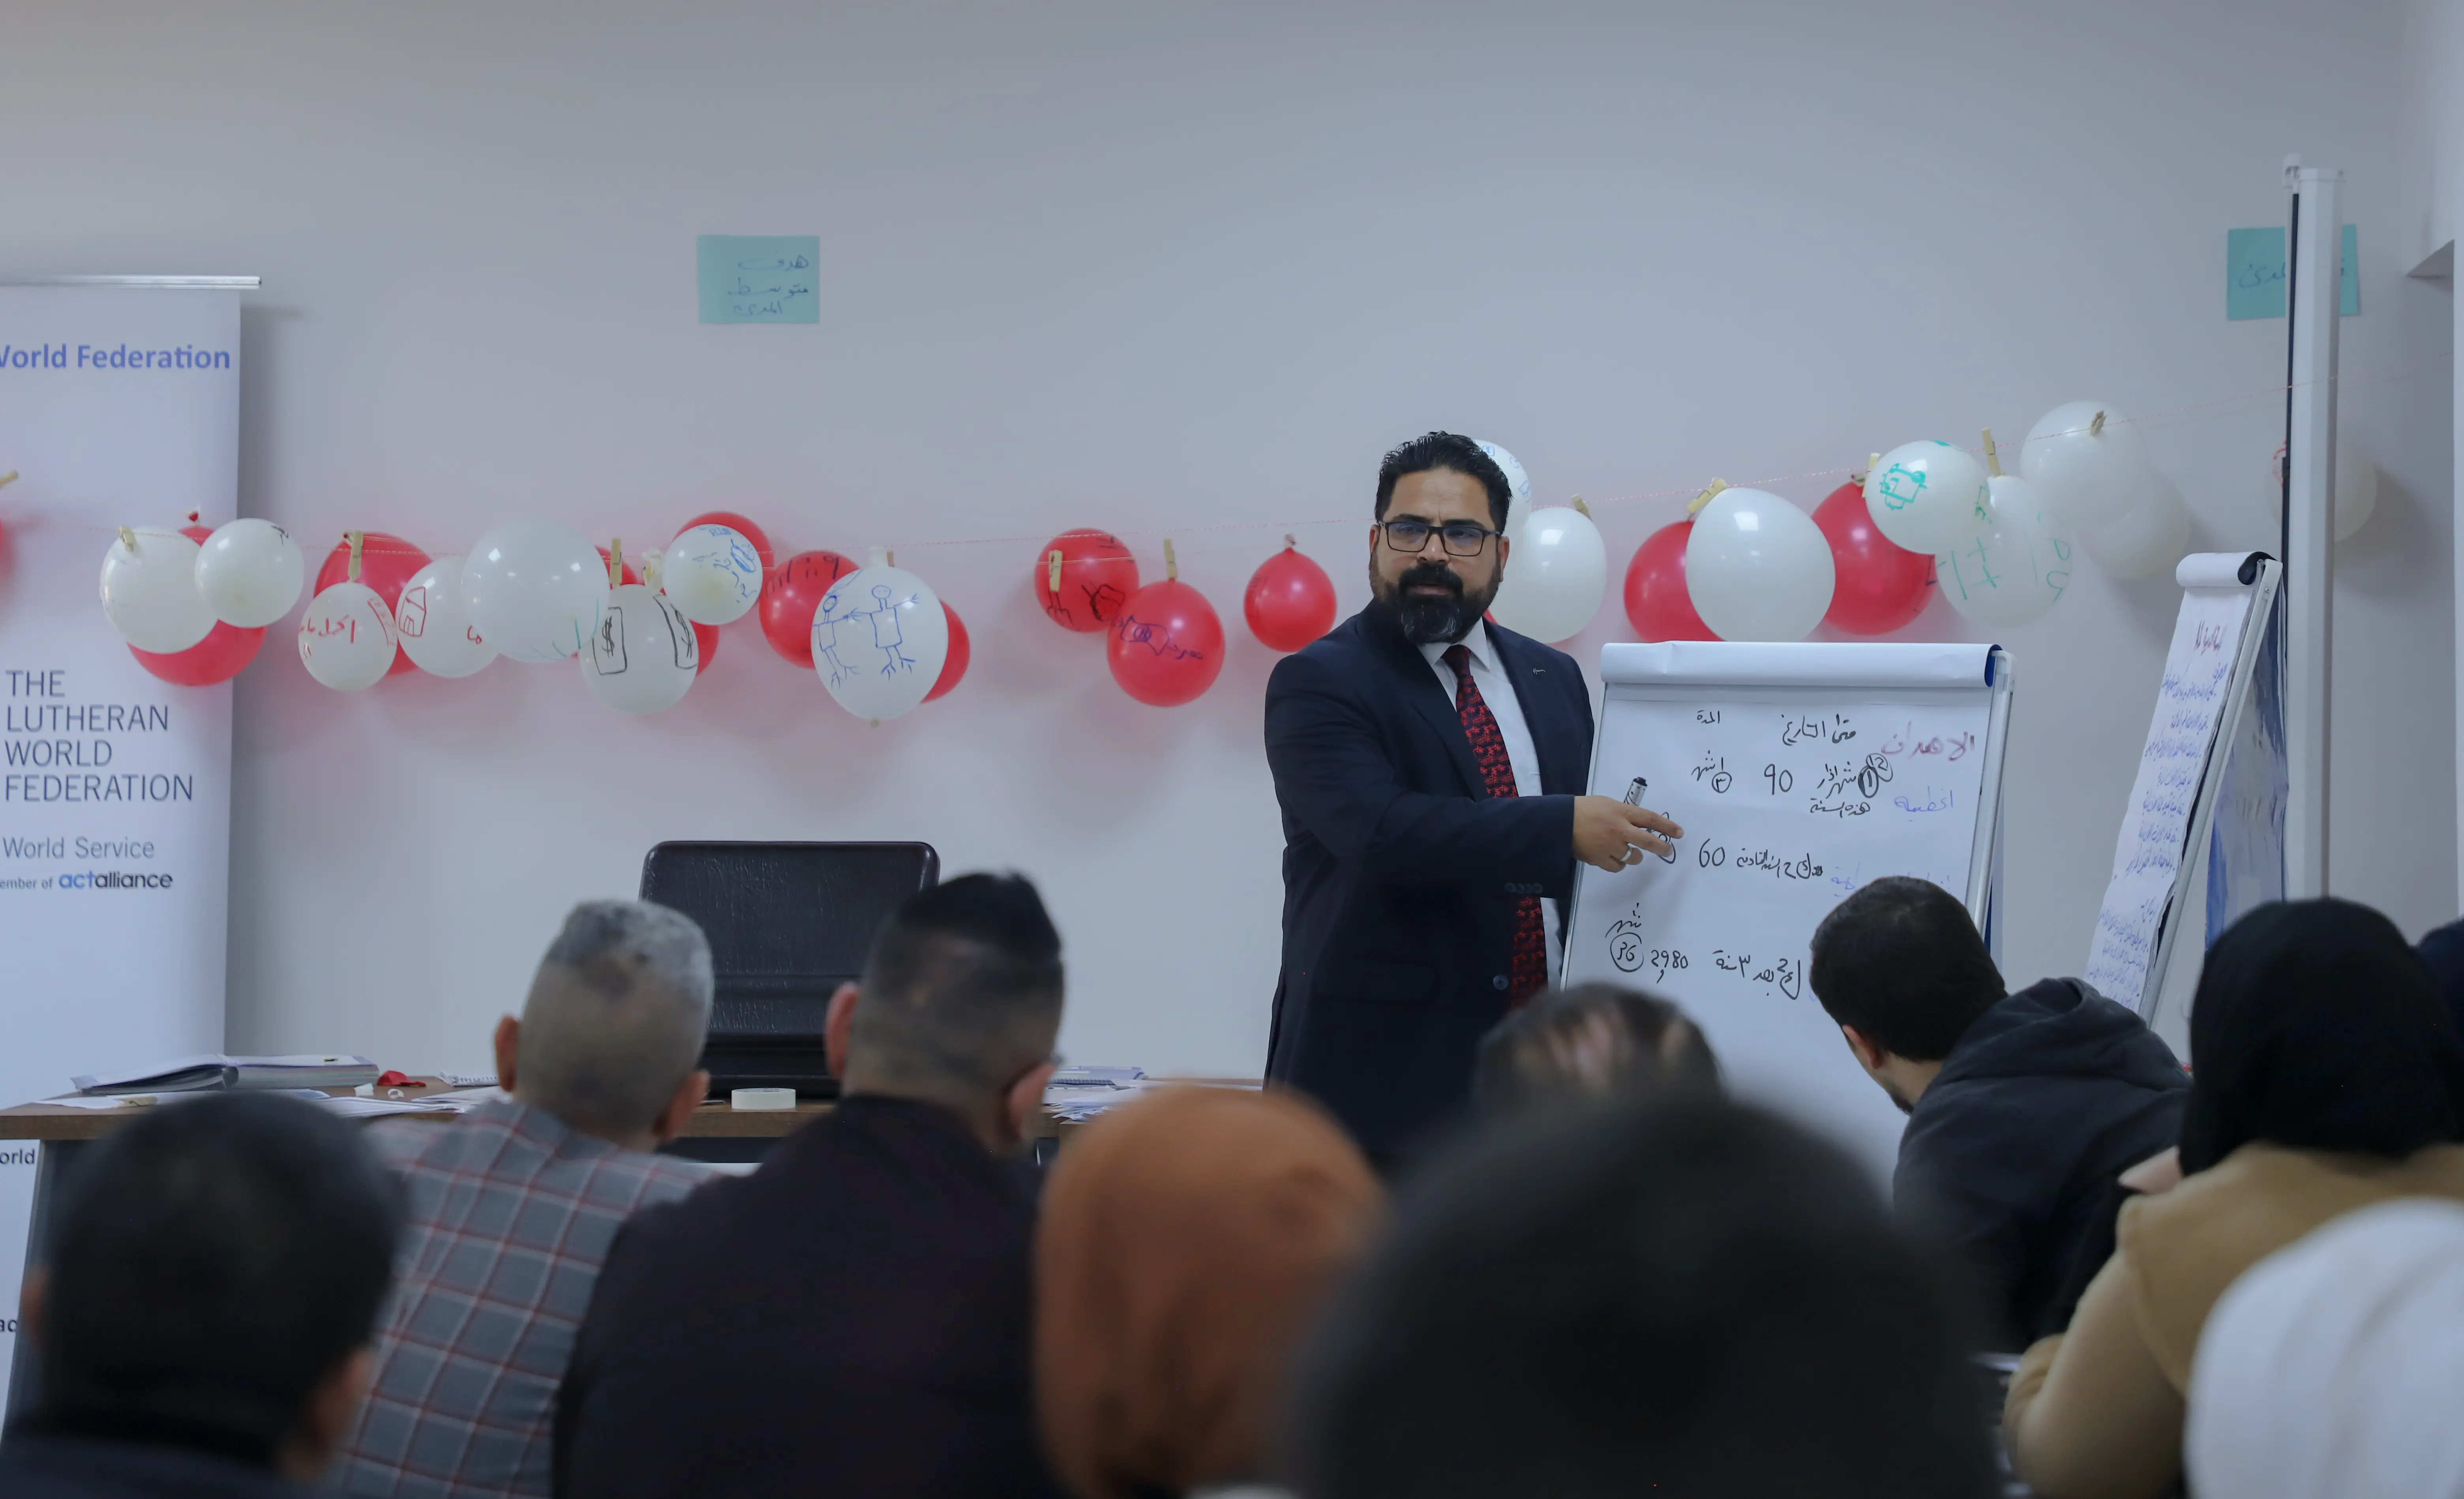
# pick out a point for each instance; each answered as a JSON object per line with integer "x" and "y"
{"x": 1531, "y": 970}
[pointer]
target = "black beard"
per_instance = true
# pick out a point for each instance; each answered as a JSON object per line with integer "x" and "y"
{"x": 1431, "y": 621}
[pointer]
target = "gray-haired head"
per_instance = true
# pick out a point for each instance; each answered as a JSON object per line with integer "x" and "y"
{"x": 616, "y": 1016}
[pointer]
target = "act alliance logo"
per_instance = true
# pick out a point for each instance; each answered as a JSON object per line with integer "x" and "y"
{"x": 114, "y": 879}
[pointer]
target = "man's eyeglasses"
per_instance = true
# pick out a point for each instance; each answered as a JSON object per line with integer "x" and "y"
{"x": 1462, "y": 537}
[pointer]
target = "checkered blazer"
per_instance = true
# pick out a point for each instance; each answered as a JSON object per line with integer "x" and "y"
{"x": 511, "y": 1216}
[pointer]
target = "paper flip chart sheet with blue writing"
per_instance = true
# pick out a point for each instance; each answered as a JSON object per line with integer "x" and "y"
{"x": 2154, "y": 843}
{"x": 760, "y": 277}
{"x": 1792, "y": 793}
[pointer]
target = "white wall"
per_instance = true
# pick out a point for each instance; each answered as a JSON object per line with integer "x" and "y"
{"x": 1180, "y": 268}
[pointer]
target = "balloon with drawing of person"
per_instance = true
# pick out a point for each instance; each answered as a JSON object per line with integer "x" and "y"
{"x": 880, "y": 639}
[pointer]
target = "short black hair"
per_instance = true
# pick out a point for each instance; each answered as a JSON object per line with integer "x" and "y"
{"x": 1446, "y": 451}
{"x": 212, "y": 1263}
{"x": 1901, "y": 960}
{"x": 1677, "y": 1295}
{"x": 963, "y": 987}
{"x": 1591, "y": 1042}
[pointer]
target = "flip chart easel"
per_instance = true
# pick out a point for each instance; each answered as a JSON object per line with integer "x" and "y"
{"x": 2215, "y": 744}
{"x": 1800, "y": 772}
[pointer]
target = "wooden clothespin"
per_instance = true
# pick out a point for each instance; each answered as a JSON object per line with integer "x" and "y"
{"x": 1581, "y": 509}
{"x": 1706, "y": 496}
{"x": 1288, "y": 543}
{"x": 1992, "y": 456}
{"x": 890, "y": 555}
{"x": 1052, "y": 583}
{"x": 615, "y": 560}
{"x": 2096, "y": 428}
{"x": 128, "y": 538}
{"x": 1171, "y": 567}
{"x": 8, "y": 478}
{"x": 358, "y": 540}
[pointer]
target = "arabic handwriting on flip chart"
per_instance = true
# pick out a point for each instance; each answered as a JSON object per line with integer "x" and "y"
{"x": 760, "y": 277}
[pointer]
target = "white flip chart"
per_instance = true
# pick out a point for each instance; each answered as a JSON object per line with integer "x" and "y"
{"x": 2227, "y": 612}
{"x": 1800, "y": 772}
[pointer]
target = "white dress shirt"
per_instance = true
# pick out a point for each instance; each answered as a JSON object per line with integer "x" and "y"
{"x": 1497, "y": 691}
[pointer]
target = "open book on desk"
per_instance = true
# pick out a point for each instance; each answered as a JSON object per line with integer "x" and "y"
{"x": 205, "y": 1074}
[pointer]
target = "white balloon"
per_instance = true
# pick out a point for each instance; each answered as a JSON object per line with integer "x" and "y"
{"x": 2357, "y": 487}
{"x": 1927, "y": 497}
{"x": 711, "y": 573}
{"x": 435, "y": 627}
{"x": 2017, "y": 568}
{"x": 1758, "y": 569}
{"x": 346, "y": 637}
{"x": 644, "y": 655}
{"x": 1518, "y": 483}
{"x": 248, "y": 572}
{"x": 1556, "y": 573}
{"x": 2149, "y": 538}
{"x": 2088, "y": 474}
{"x": 880, "y": 640}
{"x": 149, "y": 593}
{"x": 534, "y": 589}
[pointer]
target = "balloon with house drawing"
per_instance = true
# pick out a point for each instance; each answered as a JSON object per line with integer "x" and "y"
{"x": 879, "y": 639}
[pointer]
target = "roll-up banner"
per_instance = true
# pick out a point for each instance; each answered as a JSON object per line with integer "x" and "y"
{"x": 118, "y": 406}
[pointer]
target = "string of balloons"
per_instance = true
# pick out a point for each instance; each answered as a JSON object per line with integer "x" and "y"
{"x": 1743, "y": 565}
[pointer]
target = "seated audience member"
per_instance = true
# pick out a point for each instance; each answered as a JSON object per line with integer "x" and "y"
{"x": 513, "y": 1205}
{"x": 2023, "y": 1109}
{"x": 852, "y": 1317}
{"x": 1186, "y": 1240}
{"x": 202, "y": 1328}
{"x": 2327, "y": 1076}
{"x": 1594, "y": 1040}
{"x": 1673, "y": 1295}
{"x": 2443, "y": 950}
{"x": 2335, "y": 1368}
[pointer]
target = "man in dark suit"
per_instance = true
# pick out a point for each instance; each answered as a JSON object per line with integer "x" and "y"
{"x": 852, "y": 1317}
{"x": 1431, "y": 769}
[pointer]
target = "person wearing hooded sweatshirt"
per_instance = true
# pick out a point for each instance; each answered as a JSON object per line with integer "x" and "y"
{"x": 2328, "y": 1076}
{"x": 2023, "y": 1109}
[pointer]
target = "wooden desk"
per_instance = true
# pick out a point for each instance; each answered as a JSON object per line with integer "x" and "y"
{"x": 55, "y": 1123}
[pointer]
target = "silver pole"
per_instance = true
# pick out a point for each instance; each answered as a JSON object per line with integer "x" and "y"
{"x": 2313, "y": 255}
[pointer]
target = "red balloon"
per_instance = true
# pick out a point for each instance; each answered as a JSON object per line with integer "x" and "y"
{"x": 1097, "y": 577}
{"x": 1166, "y": 646}
{"x": 707, "y": 635}
{"x": 629, "y": 575}
{"x": 1656, "y": 601}
{"x": 1881, "y": 585}
{"x": 226, "y": 650}
{"x": 791, "y": 595}
{"x": 1291, "y": 600}
{"x": 742, "y": 527}
{"x": 385, "y": 564}
{"x": 955, "y": 664}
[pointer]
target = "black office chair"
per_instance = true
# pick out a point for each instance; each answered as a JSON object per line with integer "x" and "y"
{"x": 788, "y": 923}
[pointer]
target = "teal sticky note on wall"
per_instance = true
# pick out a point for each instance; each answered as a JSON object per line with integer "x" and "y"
{"x": 2254, "y": 278}
{"x": 760, "y": 277}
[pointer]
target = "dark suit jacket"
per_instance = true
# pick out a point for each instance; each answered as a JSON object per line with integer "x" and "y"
{"x": 1401, "y": 873}
{"x": 849, "y": 1320}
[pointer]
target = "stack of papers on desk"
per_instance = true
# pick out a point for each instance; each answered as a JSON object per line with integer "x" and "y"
{"x": 1078, "y": 1093}
{"x": 207, "y": 1073}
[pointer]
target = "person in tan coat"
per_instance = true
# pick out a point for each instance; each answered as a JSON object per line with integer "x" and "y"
{"x": 2327, "y": 1075}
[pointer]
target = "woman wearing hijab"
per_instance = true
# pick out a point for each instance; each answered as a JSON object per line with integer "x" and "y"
{"x": 2326, "y": 1077}
{"x": 1185, "y": 1242}
{"x": 2335, "y": 1369}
